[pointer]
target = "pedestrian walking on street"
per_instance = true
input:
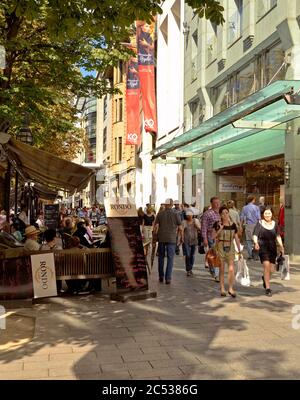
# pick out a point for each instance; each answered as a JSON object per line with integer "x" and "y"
{"x": 147, "y": 227}
{"x": 177, "y": 208}
{"x": 266, "y": 236}
{"x": 190, "y": 228}
{"x": 225, "y": 232}
{"x": 167, "y": 224}
{"x": 207, "y": 221}
{"x": 250, "y": 215}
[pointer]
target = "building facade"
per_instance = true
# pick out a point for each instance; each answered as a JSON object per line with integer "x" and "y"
{"x": 233, "y": 70}
{"x": 170, "y": 73}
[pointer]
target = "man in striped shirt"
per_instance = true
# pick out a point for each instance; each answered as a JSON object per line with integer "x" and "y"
{"x": 208, "y": 219}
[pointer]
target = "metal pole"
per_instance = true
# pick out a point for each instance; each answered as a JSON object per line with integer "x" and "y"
{"x": 7, "y": 191}
{"x": 16, "y": 192}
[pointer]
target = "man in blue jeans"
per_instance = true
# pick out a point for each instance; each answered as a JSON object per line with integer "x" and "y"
{"x": 167, "y": 224}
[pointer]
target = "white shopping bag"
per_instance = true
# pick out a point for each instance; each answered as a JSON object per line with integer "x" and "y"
{"x": 242, "y": 275}
{"x": 236, "y": 255}
{"x": 285, "y": 269}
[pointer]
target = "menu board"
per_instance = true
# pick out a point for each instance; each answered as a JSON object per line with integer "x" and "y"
{"x": 16, "y": 278}
{"x": 51, "y": 215}
{"x": 128, "y": 253}
{"x": 126, "y": 244}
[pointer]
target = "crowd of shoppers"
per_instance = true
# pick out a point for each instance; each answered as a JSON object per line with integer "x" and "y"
{"x": 220, "y": 227}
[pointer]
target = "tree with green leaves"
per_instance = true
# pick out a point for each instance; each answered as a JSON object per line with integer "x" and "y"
{"x": 47, "y": 42}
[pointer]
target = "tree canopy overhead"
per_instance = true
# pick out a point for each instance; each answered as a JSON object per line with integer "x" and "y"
{"x": 48, "y": 41}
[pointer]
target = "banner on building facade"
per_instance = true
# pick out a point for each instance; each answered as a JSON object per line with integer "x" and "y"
{"x": 43, "y": 275}
{"x": 145, "y": 49}
{"x": 126, "y": 245}
{"x": 133, "y": 133}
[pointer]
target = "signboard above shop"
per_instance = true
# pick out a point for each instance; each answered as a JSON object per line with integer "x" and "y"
{"x": 231, "y": 184}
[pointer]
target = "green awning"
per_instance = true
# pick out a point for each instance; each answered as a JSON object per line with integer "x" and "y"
{"x": 268, "y": 108}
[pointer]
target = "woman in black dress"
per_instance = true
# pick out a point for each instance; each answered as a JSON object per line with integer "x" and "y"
{"x": 266, "y": 235}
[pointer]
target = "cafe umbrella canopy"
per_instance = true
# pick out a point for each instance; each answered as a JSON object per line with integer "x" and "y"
{"x": 48, "y": 171}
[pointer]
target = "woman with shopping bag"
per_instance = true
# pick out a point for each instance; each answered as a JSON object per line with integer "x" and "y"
{"x": 266, "y": 235}
{"x": 225, "y": 232}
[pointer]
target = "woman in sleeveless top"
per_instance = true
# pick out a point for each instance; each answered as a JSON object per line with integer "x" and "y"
{"x": 191, "y": 226}
{"x": 266, "y": 235}
{"x": 225, "y": 232}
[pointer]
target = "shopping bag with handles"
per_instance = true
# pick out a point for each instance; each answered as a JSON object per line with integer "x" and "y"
{"x": 285, "y": 269}
{"x": 242, "y": 275}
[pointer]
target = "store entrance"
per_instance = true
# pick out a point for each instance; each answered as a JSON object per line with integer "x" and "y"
{"x": 260, "y": 178}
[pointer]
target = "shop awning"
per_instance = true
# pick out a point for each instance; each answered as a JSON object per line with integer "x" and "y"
{"x": 51, "y": 173}
{"x": 268, "y": 108}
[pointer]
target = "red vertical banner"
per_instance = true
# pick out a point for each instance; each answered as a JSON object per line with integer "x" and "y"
{"x": 133, "y": 133}
{"x": 145, "y": 48}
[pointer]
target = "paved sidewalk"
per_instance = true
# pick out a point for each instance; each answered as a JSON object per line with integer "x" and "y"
{"x": 187, "y": 332}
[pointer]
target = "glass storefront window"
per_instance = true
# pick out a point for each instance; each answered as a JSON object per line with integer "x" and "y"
{"x": 220, "y": 98}
{"x": 245, "y": 82}
{"x": 261, "y": 178}
{"x": 274, "y": 60}
{"x": 266, "y": 67}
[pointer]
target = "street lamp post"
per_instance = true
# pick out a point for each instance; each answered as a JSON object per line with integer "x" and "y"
{"x": 25, "y": 136}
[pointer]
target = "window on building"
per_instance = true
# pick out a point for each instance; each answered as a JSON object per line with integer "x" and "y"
{"x": 119, "y": 72}
{"x": 211, "y": 46}
{"x": 120, "y": 150}
{"x": 196, "y": 113}
{"x": 275, "y": 68}
{"x": 116, "y": 110}
{"x": 267, "y": 67}
{"x": 263, "y": 7}
{"x": 105, "y": 105}
{"x": 116, "y": 150}
{"x": 235, "y": 19}
{"x": 220, "y": 98}
{"x": 120, "y": 116}
{"x": 194, "y": 55}
{"x": 246, "y": 82}
{"x": 104, "y": 139}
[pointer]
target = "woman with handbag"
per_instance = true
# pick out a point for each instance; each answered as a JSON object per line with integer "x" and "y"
{"x": 191, "y": 227}
{"x": 266, "y": 235}
{"x": 225, "y": 232}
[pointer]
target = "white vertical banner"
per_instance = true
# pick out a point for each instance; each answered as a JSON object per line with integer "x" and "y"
{"x": 188, "y": 177}
{"x": 200, "y": 189}
{"x": 43, "y": 275}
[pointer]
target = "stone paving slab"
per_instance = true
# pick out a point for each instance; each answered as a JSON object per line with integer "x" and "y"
{"x": 188, "y": 332}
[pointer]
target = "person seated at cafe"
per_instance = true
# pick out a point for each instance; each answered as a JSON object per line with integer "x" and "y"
{"x": 83, "y": 236}
{"x": 16, "y": 231}
{"x": 40, "y": 221}
{"x": 102, "y": 216}
{"x": 88, "y": 228}
{"x": 66, "y": 233}
{"x": 51, "y": 240}
{"x": 31, "y": 234}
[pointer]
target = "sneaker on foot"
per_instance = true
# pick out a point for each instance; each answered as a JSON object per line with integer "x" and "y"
{"x": 161, "y": 280}
{"x": 269, "y": 292}
{"x": 168, "y": 281}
